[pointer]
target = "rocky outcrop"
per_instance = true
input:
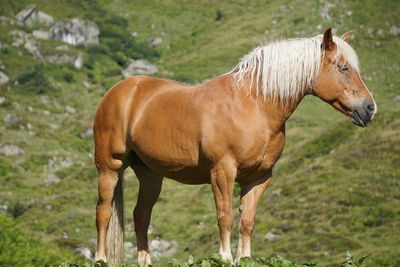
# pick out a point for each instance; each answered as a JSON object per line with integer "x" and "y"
{"x": 34, "y": 48}
{"x": 52, "y": 178}
{"x": 30, "y": 16}
{"x": 75, "y": 31}
{"x": 162, "y": 248}
{"x": 3, "y": 78}
{"x": 39, "y": 34}
{"x": 11, "y": 150}
{"x": 154, "y": 42}
{"x": 11, "y": 118}
{"x": 24, "y": 14}
{"x": 86, "y": 133}
{"x": 19, "y": 37}
{"x": 139, "y": 67}
{"x": 74, "y": 59}
{"x": 86, "y": 252}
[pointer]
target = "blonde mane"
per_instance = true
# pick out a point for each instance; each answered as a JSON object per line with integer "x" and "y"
{"x": 285, "y": 69}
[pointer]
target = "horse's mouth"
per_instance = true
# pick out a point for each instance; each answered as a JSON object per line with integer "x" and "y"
{"x": 356, "y": 119}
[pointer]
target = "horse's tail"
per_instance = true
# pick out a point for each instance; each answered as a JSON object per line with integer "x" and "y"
{"x": 115, "y": 232}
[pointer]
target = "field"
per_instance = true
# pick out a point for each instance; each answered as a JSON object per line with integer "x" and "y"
{"x": 335, "y": 189}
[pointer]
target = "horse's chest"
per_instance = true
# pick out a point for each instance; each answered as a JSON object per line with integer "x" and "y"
{"x": 262, "y": 159}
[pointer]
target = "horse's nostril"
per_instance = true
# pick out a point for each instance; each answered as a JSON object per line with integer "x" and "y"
{"x": 371, "y": 107}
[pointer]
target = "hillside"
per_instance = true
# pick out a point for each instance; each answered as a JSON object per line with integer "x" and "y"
{"x": 336, "y": 187}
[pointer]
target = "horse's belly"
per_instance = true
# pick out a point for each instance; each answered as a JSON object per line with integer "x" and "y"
{"x": 179, "y": 167}
{"x": 172, "y": 154}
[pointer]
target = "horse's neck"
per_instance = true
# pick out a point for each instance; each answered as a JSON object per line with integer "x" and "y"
{"x": 276, "y": 110}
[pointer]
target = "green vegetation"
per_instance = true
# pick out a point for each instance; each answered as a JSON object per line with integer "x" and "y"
{"x": 335, "y": 189}
{"x": 18, "y": 249}
{"x": 215, "y": 260}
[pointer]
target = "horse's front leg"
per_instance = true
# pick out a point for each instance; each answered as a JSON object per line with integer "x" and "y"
{"x": 222, "y": 181}
{"x": 249, "y": 197}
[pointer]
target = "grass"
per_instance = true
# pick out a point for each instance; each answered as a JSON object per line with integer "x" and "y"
{"x": 215, "y": 260}
{"x": 335, "y": 188}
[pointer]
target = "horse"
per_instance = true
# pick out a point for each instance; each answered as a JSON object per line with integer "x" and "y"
{"x": 230, "y": 129}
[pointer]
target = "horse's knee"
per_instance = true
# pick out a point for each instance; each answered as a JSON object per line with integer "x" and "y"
{"x": 246, "y": 226}
{"x": 225, "y": 220}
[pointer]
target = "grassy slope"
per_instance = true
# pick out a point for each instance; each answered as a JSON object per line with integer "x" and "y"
{"x": 333, "y": 197}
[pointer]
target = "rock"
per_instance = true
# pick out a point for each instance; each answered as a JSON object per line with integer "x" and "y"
{"x": 154, "y": 42}
{"x": 19, "y": 37}
{"x": 162, "y": 248}
{"x": 75, "y": 31}
{"x": 30, "y": 44}
{"x": 86, "y": 252}
{"x": 270, "y": 236}
{"x": 52, "y": 179}
{"x": 4, "y": 20}
{"x": 39, "y": 17}
{"x": 78, "y": 61}
{"x": 24, "y": 14}
{"x": 53, "y": 126}
{"x": 4, "y": 208}
{"x": 395, "y": 30}
{"x": 86, "y": 84}
{"x": 128, "y": 244}
{"x": 70, "y": 109}
{"x": 11, "y": 150}
{"x": 58, "y": 163}
{"x": 74, "y": 59}
{"x": 11, "y": 118}
{"x": 34, "y": 48}
{"x": 29, "y": 16}
{"x": 3, "y": 78}
{"x": 129, "y": 250}
{"x": 2, "y": 99}
{"x": 397, "y": 98}
{"x": 324, "y": 12}
{"x": 139, "y": 67}
{"x": 39, "y": 34}
{"x": 86, "y": 133}
{"x": 62, "y": 48}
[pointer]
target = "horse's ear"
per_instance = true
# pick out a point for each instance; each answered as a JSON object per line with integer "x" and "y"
{"x": 346, "y": 36}
{"x": 327, "y": 40}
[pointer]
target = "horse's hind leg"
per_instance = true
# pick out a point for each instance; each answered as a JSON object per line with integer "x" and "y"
{"x": 107, "y": 182}
{"x": 149, "y": 190}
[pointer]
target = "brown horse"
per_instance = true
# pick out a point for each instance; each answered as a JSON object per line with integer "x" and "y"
{"x": 226, "y": 130}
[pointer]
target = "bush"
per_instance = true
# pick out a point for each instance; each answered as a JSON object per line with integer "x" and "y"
{"x": 35, "y": 80}
{"x": 18, "y": 249}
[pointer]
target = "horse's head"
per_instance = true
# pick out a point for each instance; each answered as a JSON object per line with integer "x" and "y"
{"x": 339, "y": 82}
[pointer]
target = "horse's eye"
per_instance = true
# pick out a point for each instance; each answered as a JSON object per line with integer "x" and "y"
{"x": 343, "y": 68}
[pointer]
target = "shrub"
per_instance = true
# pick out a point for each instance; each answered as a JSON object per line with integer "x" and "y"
{"x": 35, "y": 80}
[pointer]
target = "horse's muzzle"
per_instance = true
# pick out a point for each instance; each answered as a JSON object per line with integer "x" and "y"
{"x": 363, "y": 114}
